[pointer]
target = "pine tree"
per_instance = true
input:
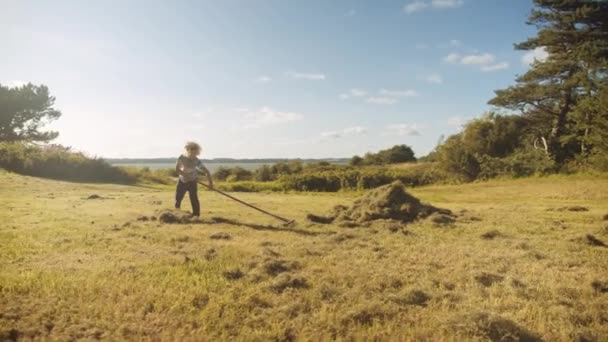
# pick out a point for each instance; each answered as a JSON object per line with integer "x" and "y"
{"x": 574, "y": 33}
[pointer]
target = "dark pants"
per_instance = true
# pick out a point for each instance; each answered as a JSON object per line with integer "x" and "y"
{"x": 191, "y": 188}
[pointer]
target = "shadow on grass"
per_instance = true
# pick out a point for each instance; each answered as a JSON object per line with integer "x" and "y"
{"x": 218, "y": 220}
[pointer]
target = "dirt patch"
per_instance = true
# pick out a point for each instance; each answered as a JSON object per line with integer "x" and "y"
{"x": 220, "y": 236}
{"x": 94, "y": 196}
{"x": 234, "y": 274}
{"x": 176, "y": 216}
{"x": 342, "y": 237}
{"x": 367, "y": 315}
{"x": 592, "y": 241}
{"x": 200, "y": 301}
{"x": 388, "y": 202}
{"x": 488, "y": 279}
{"x": 491, "y": 235}
{"x": 605, "y": 217}
{"x": 575, "y": 208}
{"x": 286, "y": 281}
{"x": 441, "y": 220}
{"x": 496, "y": 328}
{"x": 10, "y": 335}
{"x": 319, "y": 219}
{"x": 276, "y": 267}
{"x": 600, "y": 286}
{"x": 270, "y": 252}
{"x": 210, "y": 254}
{"x": 415, "y": 297}
{"x": 407, "y": 232}
{"x": 144, "y": 218}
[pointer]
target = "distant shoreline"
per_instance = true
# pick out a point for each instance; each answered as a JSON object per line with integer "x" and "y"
{"x": 214, "y": 164}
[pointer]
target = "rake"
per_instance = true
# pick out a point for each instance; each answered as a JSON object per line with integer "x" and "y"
{"x": 285, "y": 221}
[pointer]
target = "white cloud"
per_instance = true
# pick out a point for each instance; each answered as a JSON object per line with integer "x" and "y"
{"x": 539, "y": 54}
{"x": 358, "y": 92}
{"x": 482, "y": 59}
{"x": 420, "y": 5}
{"x": 447, "y": 3}
{"x": 434, "y": 78}
{"x": 331, "y": 134}
{"x": 485, "y": 61}
{"x": 354, "y": 92}
{"x": 415, "y": 6}
{"x": 404, "y": 129}
{"x": 399, "y": 93}
{"x": 306, "y": 76}
{"x": 382, "y": 100}
{"x": 452, "y": 58}
{"x": 14, "y": 83}
{"x": 495, "y": 67}
{"x": 347, "y": 131}
{"x": 263, "y": 79}
{"x": 266, "y": 116}
{"x": 355, "y": 130}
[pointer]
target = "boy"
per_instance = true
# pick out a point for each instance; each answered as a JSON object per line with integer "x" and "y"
{"x": 187, "y": 168}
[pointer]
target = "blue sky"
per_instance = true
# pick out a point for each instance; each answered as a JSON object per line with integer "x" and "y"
{"x": 263, "y": 78}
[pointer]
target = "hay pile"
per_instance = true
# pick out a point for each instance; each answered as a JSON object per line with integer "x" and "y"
{"x": 389, "y": 202}
{"x": 176, "y": 216}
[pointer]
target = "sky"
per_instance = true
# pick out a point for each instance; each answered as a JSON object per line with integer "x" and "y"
{"x": 263, "y": 78}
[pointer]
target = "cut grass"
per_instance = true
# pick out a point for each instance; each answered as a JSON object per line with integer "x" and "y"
{"x": 74, "y": 269}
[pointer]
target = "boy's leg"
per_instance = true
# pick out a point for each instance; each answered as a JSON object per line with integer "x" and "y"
{"x": 180, "y": 191}
{"x": 192, "y": 193}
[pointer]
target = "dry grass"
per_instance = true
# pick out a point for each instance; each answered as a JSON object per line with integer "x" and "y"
{"x": 507, "y": 269}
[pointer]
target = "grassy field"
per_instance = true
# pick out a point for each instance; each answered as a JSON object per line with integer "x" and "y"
{"x": 514, "y": 266}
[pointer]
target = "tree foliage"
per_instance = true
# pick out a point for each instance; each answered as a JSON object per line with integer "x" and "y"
{"x": 24, "y": 111}
{"x": 394, "y": 155}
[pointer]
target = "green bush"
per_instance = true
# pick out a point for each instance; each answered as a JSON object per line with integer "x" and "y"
{"x": 530, "y": 162}
{"x": 360, "y": 178}
{"x": 519, "y": 164}
{"x": 160, "y": 176}
{"x": 233, "y": 174}
{"x": 251, "y": 186}
{"x": 324, "y": 182}
{"x": 58, "y": 162}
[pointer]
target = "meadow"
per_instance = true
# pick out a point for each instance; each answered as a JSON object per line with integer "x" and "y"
{"x": 523, "y": 261}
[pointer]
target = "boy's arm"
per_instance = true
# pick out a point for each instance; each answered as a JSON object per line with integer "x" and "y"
{"x": 178, "y": 167}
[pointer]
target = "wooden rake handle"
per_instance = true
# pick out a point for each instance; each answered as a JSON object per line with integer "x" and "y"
{"x": 286, "y": 221}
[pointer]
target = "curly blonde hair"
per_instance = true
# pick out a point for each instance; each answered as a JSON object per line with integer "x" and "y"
{"x": 191, "y": 145}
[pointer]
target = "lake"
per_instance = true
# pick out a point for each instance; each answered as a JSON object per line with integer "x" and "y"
{"x": 212, "y": 166}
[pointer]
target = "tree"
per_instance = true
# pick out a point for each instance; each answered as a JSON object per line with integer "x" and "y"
{"x": 356, "y": 161}
{"x": 263, "y": 174}
{"x": 393, "y": 155}
{"x": 24, "y": 111}
{"x": 397, "y": 154}
{"x": 591, "y": 127}
{"x": 574, "y": 33}
{"x": 454, "y": 158}
{"x": 494, "y": 135}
